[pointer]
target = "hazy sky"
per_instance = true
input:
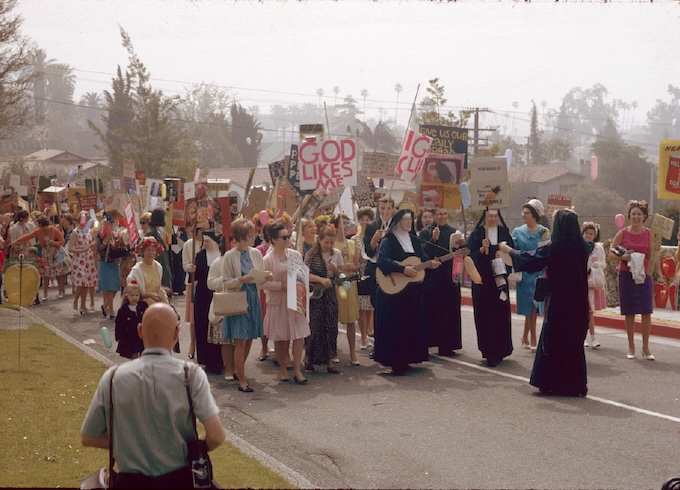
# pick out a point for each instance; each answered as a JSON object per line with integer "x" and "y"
{"x": 486, "y": 54}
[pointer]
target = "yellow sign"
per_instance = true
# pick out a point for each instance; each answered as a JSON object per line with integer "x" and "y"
{"x": 669, "y": 169}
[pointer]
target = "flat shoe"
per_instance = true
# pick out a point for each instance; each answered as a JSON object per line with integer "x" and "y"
{"x": 283, "y": 380}
{"x": 356, "y": 363}
{"x": 300, "y": 381}
{"x": 332, "y": 370}
{"x": 247, "y": 389}
{"x": 263, "y": 358}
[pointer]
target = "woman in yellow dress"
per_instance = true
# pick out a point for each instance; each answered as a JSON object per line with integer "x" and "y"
{"x": 348, "y": 305}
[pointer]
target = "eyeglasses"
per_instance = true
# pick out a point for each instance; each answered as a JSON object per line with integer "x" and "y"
{"x": 284, "y": 237}
{"x": 143, "y": 222}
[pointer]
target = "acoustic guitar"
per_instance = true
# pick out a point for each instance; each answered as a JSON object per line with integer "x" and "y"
{"x": 395, "y": 282}
{"x": 317, "y": 288}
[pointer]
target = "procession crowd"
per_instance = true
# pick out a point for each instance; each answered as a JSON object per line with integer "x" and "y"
{"x": 396, "y": 274}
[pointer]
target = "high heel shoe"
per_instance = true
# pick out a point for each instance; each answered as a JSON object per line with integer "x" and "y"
{"x": 648, "y": 357}
{"x": 630, "y": 356}
{"x": 526, "y": 345}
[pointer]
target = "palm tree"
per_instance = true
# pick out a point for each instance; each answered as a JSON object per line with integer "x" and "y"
{"x": 319, "y": 92}
{"x": 91, "y": 99}
{"x": 39, "y": 69}
{"x": 633, "y": 106}
{"x": 336, "y": 91}
{"x": 397, "y": 88}
{"x": 364, "y": 94}
{"x": 61, "y": 82}
{"x": 515, "y": 105}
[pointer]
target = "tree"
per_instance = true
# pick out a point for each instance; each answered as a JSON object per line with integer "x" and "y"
{"x": 39, "y": 66}
{"x": 432, "y": 106}
{"x": 535, "y": 144}
{"x": 663, "y": 120}
{"x": 16, "y": 78}
{"x": 364, "y": 94}
{"x": 557, "y": 149}
{"x": 245, "y": 135}
{"x": 591, "y": 199}
{"x": 91, "y": 99}
{"x": 583, "y": 114}
{"x": 380, "y": 138}
{"x": 336, "y": 91}
{"x": 622, "y": 168}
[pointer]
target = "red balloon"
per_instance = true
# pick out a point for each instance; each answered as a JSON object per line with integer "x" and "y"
{"x": 667, "y": 267}
{"x": 660, "y": 294}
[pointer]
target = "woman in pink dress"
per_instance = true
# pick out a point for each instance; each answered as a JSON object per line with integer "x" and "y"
{"x": 281, "y": 324}
{"x": 84, "y": 268}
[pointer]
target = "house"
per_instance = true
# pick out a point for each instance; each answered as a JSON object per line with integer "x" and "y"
{"x": 540, "y": 181}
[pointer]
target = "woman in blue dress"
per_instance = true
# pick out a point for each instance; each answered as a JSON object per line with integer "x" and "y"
{"x": 527, "y": 237}
{"x": 237, "y": 265}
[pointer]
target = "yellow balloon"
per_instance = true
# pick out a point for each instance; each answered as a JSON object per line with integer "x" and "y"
{"x": 164, "y": 190}
{"x": 342, "y": 294}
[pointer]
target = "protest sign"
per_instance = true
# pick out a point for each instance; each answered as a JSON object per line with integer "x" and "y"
{"x": 308, "y": 131}
{"x": 412, "y": 156}
{"x": 87, "y": 202}
{"x": 140, "y": 176}
{"x": 669, "y": 169}
{"x": 131, "y": 222}
{"x": 297, "y": 287}
{"x": 364, "y": 191}
{"x": 661, "y": 225}
{"x": 439, "y": 181}
{"x": 257, "y": 201}
{"x": 276, "y": 170}
{"x": 129, "y": 169}
{"x": 178, "y": 212}
{"x": 380, "y": 165}
{"x": 447, "y": 140}
{"x": 328, "y": 164}
{"x": 74, "y": 193}
{"x": 293, "y": 171}
{"x": 489, "y": 183}
{"x": 555, "y": 202}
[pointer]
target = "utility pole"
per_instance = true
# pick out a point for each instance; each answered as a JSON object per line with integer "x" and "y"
{"x": 476, "y": 129}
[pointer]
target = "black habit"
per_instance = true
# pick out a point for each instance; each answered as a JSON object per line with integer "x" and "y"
{"x": 207, "y": 354}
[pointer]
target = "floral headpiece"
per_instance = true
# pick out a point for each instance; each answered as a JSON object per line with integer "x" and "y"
{"x": 588, "y": 224}
{"x": 642, "y": 204}
{"x": 148, "y": 241}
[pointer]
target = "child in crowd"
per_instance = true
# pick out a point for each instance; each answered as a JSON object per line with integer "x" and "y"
{"x": 128, "y": 317}
{"x": 33, "y": 255}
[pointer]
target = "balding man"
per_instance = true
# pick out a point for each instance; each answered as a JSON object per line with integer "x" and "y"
{"x": 151, "y": 417}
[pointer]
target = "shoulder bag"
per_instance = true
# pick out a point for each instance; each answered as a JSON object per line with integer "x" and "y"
{"x": 229, "y": 303}
{"x": 104, "y": 477}
{"x": 541, "y": 290}
{"x": 197, "y": 450}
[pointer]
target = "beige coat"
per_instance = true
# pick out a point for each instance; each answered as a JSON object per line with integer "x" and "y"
{"x": 231, "y": 267}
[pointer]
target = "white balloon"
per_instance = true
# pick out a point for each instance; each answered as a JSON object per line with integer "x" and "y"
{"x": 465, "y": 195}
{"x": 153, "y": 201}
{"x": 249, "y": 140}
{"x": 508, "y": 156}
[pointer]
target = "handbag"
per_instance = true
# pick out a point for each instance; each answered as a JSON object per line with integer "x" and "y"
{"x": 596, "y": 279}
{"x": 197, "y": 450}
{"x": 541, "y": 290}
{"x": 229, "y": 303}
{"x": 104, "y": 477}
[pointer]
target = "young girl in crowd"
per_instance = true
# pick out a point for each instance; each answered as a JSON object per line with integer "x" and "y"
{"x": 597, "y": 295}
{"x": 128, "y": 317}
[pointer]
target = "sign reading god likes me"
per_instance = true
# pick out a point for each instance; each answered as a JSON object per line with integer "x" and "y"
{"x": 327, "y": 164}
{"x": 412, "y": 156}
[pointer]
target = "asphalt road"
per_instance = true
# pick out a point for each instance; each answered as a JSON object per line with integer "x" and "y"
{"x": 450, "y": 423}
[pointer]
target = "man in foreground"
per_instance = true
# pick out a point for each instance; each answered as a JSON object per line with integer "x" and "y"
{"x": 151, "y": 416}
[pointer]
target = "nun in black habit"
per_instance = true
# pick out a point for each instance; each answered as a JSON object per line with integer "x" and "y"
{"x": 400, "y": 318}
{"x": 491, "y": 301}
{"x": 560, "y": 363}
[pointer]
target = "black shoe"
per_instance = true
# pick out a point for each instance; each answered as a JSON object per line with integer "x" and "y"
{"x": 492, "y": 362}
{"x": 371, "y": 355}
{"x": 247, "y": 389}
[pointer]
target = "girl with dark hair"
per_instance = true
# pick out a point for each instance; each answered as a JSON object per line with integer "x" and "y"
{"x": 365, "y": 215}
{"x": 324, "y": 264}
{"x": 560, "y": 364}
{"x": 425, "y": 217}
{"x": 597, "y": 294}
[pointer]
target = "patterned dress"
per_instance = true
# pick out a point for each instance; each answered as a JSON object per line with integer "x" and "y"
{"x": 322, "y": 345}
{"x": 84, "y": 268}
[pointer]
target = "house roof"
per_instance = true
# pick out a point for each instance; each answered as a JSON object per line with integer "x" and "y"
{"x": 40, "y": 167}
{"x": 240, "y": 175}
{"x": 54, "y": 154}
{"x": 538, "y": 173}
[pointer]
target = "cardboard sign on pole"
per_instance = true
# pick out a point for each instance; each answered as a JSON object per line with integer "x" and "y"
{"x": 297, "y": 287}
{"x": 380, "y": 165}
{"x": 669, "y": 169}
{"x": 447, "y": 140}
{"x": 439, "y": 181}
{"x": 555, "y": 202}
{"x": 412, "y": 156}
{"x": 489, "y": 183}
{"x": 131, "y": 222}
{"x": 328, "y": 164}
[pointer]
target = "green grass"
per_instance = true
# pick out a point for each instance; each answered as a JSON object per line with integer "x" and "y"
{"x": 43, "y": 398}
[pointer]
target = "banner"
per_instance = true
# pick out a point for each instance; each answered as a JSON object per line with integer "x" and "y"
{"x": 669, "y": 169}
{"x": 328, "y": 164}
{"x": 131, "y": 223}
{"x": 380, "y": 165}
{"x": 276, "y": 170}
{"x": 412, "y": 156}
{"x": 364, "y": 191}
{"x": 297, "y": 287}
{"x": 555, "y": 202}
{"x": 447, "y": 140}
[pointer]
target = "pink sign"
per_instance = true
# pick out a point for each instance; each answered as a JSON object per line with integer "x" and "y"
{"x": 327, "y": 164}
{"x": 131, "y": 223}
{"x": 413, "y": 153}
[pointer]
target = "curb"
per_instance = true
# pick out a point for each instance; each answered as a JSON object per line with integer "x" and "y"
{"x": 659, "y": 327}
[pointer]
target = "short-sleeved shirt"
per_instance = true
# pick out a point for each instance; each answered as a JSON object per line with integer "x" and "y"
{"x": 150, "y": 412}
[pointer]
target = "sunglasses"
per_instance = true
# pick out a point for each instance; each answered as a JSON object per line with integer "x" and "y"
{"x": 284, "y": 237}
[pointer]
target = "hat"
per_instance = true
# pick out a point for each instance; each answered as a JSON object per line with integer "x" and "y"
{"x": 537, "y": 205}
{"x": 148, "y": 241}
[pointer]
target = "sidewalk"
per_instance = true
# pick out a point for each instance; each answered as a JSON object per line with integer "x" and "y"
{"x": 665, "y": 323}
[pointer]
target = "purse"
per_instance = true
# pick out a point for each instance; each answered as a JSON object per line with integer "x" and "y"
{"x": 596, "y": 279}
{"x": 197, "y": 450}
{"x": 541, "y": 290}
{"x": 104, "y": 477}
{"x": 229, "y": 303}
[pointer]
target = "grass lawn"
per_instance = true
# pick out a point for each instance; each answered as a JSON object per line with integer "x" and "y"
{"x": 43, "y": 399}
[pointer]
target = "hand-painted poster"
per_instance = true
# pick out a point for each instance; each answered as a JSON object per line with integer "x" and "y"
{"x": 439, "y": 181}
{"x": 447, "y": 140}
{"x": 489, "y": 183}
{"x": 669, "y": 169}
{"x": 412, "y": 156}
{"x": 380, "y": 165}
{"x": 328, "y": 164}
{"x": 297, "y": 287}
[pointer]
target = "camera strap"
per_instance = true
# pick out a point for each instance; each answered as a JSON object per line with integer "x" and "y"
{"x": 188, "y": 374}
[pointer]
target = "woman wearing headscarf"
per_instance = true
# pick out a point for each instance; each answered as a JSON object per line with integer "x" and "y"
{"x": 400, "y": 329}
{"x": 490, "y": 299}
{"x": 527, "y": 237}
{"x": 560, "y": 364}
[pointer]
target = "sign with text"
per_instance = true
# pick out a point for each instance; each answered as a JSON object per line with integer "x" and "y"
{"x": 380, "y": 165}
{"x": 178, "y": 212}
{"x": 555, "y": 202}
{"x": 297, "y": 286}
{"x": 129, "y": 169}
{"x": 87, "y": 202}
{"x": 293, "y": 171}
{"x": 328, "y": 164}
{"x": 489, "y": 194}
{"x": 276, "y": 170}
{"x": 74, "y": 193}
{"x": 412, "y": 156}
{"x": 364, "y": 191}
{"x": 669, "y": 169}
{"x": 131, "y": 222}
{"x": 488, "y": 168}
{"x": 661, "y": 225}
{"x": 447, "y": 140}
{"x": 308, "y": 131}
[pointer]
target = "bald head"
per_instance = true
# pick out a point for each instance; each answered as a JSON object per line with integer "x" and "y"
{"x": 159, "y": 327}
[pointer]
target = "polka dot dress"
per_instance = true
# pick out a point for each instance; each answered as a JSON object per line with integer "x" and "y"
{"x": 84, "y": 270}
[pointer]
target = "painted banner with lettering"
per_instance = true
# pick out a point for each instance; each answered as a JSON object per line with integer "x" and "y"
{"x": 412, "y": 156}
{"x": 448, "y": 140}
{"x": 669, "y": 169}
{"x": 327, "y": 164}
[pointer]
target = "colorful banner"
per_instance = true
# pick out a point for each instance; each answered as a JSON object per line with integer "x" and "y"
{"x": 439, "y": 181}
{"x": 328, "y": 164}
{"x": 489, "y": 183}
{"x": 297, "y": 287}
{"x": 412, "y": 156}
{"x": 669, "y": 169}
{"x": 447, "y": 140}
